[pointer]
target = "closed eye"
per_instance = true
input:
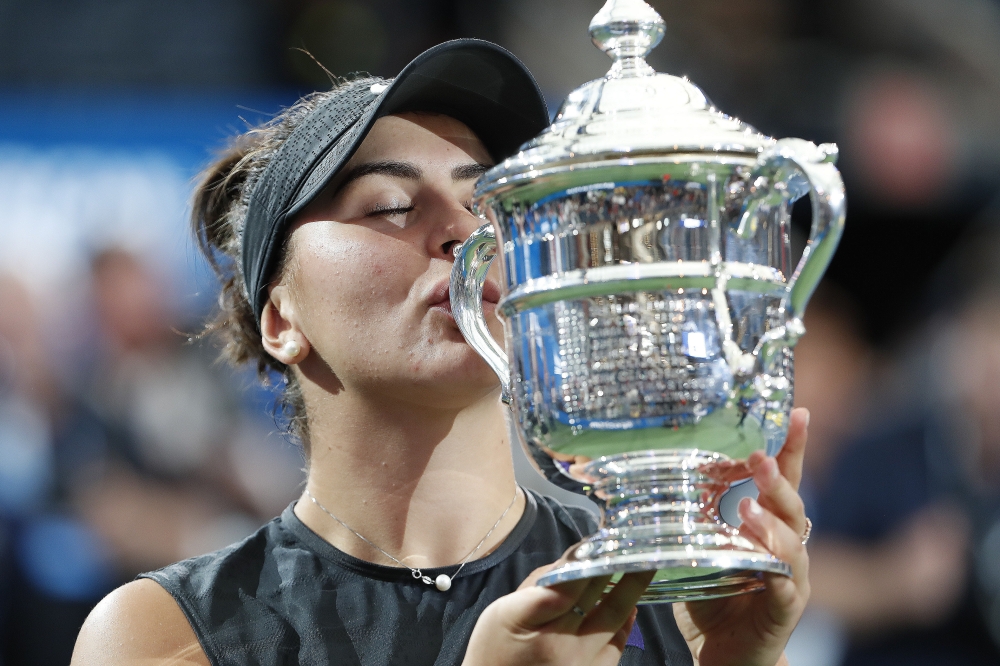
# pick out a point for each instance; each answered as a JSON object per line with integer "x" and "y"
{"x": 382, "y": 210}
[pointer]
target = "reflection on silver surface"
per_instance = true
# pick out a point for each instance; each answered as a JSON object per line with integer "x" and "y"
{"x": 650, "y": 308}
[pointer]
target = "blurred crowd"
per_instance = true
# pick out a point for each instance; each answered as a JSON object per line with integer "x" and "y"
{"x": 902, "y": 476}
{"x": 153, "y": 454}
{"x": 124, "y": 446}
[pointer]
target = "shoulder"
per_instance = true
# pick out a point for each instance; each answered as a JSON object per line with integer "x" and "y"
{"x": 137, "y": 622}
{"x": 232, "y": 572}
{"x": 167, "y": 614}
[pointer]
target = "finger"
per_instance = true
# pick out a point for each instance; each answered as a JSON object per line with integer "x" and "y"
{"x": 620, "y": 638}
{"x": 768, "y": 530}
{"x": 776, "y": 493}
{"x": 778, "y": 538}
{"x": 794, "y": 450}
{"x": 616, "y": 606}
{"x": 536, "y": 609}
{"x": 534, "y": 606}
{"x": 587, "y": 600}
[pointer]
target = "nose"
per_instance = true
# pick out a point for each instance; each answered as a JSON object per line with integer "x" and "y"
{"x": 452, "y": 232}
{"x": 451, "y": 246}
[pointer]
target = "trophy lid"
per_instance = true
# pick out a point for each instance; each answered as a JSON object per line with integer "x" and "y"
{"x": 632, "y": 111}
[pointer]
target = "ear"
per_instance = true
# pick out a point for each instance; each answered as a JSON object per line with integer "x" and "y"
{"x": 279, "y": 328}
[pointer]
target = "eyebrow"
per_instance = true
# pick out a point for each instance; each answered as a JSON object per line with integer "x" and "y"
{"x": 469, "y": 171}
{"x": 388, "y": 168}
{"x": 409, "y": 171}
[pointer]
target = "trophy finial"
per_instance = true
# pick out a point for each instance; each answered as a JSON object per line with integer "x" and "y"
{"x": 627, "y": 30}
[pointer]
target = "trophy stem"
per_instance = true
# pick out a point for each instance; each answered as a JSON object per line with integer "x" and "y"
{"x": 661, "y": 512}
{"x": 665, "y": 490}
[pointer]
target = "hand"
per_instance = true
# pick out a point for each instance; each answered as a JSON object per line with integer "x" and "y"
{"x": 752, "y": 629}
{"x": 539, "y": 626}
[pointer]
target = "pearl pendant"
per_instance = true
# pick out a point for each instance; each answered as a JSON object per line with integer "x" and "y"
{"x": 443, "y": 583}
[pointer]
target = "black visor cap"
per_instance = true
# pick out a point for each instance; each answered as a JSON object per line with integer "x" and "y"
{"x": 476, "y": 82}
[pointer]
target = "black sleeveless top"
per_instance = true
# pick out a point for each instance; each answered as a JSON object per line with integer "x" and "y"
{"x": 286, "y": 596}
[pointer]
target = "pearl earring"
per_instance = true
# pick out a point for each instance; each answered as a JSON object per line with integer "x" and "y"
{"x": 292, "y": 349}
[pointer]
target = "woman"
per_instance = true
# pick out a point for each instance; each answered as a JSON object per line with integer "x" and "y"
{"x": 333, "y": 228}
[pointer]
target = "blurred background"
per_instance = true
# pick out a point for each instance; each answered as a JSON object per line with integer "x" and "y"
{"x": 123, "y": 448}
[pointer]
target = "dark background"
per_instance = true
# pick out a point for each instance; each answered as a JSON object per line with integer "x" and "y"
{"x": 825, "y": 71}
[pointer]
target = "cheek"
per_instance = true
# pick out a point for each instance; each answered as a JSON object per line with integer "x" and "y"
{"x": 352, "y": 285}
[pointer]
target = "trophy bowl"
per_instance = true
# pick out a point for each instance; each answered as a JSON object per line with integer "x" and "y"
{"x": 650, "y": 307}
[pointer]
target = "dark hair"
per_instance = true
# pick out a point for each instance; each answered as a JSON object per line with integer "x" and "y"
{"x": 218, "y": 217}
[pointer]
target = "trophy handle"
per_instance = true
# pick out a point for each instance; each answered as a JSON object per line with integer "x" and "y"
{"x": 796, "y": 167}
{"x": 472, "y": 261}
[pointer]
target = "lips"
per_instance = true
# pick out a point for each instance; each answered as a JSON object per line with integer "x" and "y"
{"x": 440, "y": 296}
{"x": 491, "y": 292}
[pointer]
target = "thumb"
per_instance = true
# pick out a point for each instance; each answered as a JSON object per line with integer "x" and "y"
{"x": 533, "y": 606}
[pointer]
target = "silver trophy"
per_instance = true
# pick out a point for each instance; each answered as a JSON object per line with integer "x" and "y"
{"x": 650, "y": 308}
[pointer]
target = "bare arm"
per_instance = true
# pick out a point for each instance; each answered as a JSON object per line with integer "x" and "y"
{"x": 138, "y": 624}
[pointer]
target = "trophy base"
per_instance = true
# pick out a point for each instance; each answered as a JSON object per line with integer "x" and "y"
{"x": 661, "y": 513}
{"x": 679, "y": 576}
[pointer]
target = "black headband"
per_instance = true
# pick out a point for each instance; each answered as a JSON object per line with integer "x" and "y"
{"x": 474, "y": 81}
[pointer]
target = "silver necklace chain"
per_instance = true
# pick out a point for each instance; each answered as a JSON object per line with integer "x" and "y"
{"x": 443, "y": 581}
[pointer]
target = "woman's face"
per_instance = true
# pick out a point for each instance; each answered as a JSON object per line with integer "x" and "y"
{"x": 370, "y": 261}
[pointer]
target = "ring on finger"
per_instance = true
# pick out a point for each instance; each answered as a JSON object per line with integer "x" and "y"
{"x": 579, "y": 611}
{"x": 809, "y": 529}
